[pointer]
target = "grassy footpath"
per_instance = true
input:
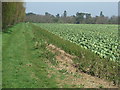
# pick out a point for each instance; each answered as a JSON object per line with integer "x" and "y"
{"x": 23, "y": 67}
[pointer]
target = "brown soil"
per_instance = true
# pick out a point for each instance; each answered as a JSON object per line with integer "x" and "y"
{"x": 74, "y": 76}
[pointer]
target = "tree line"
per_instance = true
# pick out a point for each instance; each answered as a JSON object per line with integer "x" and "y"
{"x": 12, "y": 13}
{"x": 79, "y": 18}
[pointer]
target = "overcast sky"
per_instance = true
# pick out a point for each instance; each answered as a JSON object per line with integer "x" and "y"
{"x": 108, "y": 8}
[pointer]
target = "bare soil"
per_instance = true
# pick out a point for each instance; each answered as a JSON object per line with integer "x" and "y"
{"x": 74, "y": 76}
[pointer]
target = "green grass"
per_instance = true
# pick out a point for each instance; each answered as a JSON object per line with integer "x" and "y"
{"x": 18, "y": 53}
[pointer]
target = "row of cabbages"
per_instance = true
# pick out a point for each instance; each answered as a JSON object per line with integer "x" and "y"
{"x": 100, "y": 39}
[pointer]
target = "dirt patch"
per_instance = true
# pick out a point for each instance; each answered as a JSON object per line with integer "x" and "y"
{"x": 73, "y": 75}
{"x": 29, "y": 65}
{"x": 64, "y": 59}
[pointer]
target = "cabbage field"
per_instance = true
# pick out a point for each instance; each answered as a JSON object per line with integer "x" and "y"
{"x": 100, "y": 39}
